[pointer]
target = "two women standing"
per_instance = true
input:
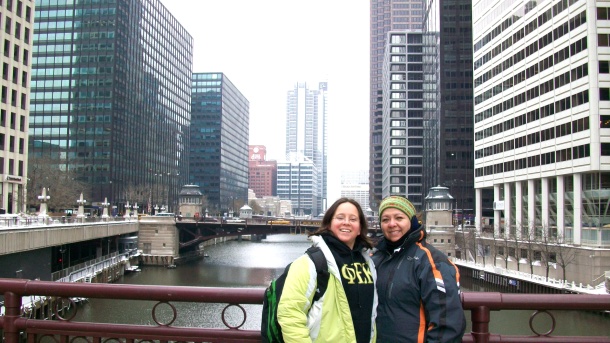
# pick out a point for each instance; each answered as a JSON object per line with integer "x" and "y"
{"x": 411, "y": 294}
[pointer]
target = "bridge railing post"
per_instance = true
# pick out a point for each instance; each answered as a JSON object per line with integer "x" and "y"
{"x": 12, "y": 306}
{"x": 480, "y": 317}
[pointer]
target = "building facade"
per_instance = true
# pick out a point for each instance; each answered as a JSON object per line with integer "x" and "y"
{"x": 403, "y": 113}
{"x": 449, "y": 140}
{"x": 542, "y": 114}
{"x": 262, "y": 173}
{"x": 385, "y": 16}
{"x": 219, "y": 142}
{"x": 17, "y": 37}
{"x": 110, "y": 97}
{"x": 297, "y": 181}
{"x": 355, "y": 185}
{"x": 306, "y": 132}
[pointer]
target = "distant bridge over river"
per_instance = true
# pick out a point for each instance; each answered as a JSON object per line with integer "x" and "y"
{"x": 192, "y": 232}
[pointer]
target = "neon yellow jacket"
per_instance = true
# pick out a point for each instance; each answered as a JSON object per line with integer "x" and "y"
{"x": 329, "y": 319}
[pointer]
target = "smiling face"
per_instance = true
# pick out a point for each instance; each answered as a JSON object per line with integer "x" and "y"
{"x": 345, "y": 224}
{"x": 394, "y": 224}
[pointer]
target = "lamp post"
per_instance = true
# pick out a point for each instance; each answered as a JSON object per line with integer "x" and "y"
{"x": 127, "y": 211}
{"x": 62, "y": 250}
{"x": 105, "y": 206}
{"x": 44, "y": 198}
{"x": 81, "y": 207}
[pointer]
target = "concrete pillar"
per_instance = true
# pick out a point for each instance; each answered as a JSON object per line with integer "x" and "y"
{"x": 531, "y": 208}
{"x": 518, "y": 209}
{"x": 507, "y": 209}
{"x": 496, "y": 226}
{"x": 478, "y": 209}
{"x": 577, "y": 223}
{"x": 561, "y": 200}
{"x": 544, "y": 198}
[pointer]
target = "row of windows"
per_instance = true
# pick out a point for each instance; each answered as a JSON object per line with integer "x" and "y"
{"x": 14, "y": 97}
{"x": 13, "y": 121}
{"x": 562, "y": 155}
{"x": 542, "y": 42}
{"x": 11, "y": 145}
{"x": 520, "y": 77}
{"x": 545, "y": 111}
{"x": 19, "y": 9}
{"x": 542, "y": 18}
{"x": 17, "y": 56}
{"x": 8, "y": 28}
{"x": 14, "y": 75}
{"x": 11, "y": 167}
{"x": 575, "y": 126}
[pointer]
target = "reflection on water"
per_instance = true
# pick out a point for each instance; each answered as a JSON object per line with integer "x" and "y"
{"x": 248, "y": 264}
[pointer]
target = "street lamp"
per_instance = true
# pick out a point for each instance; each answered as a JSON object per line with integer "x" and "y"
{"x": 105, "y": 205}
{"x": 44, "y": 198}
{"x": 81, "y": 206}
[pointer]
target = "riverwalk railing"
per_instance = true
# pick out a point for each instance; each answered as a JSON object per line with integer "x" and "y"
{"x": 16, "y": 328}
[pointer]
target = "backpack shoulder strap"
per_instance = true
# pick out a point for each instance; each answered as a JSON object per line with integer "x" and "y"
{"x": 319, "y": 260}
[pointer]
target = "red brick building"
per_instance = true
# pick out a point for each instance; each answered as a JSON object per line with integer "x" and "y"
{"x": 262, "y": 173}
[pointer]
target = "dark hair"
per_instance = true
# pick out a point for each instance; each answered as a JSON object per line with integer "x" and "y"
{"x": 330, "y": 213}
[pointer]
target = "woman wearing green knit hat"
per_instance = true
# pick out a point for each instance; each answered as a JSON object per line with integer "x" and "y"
{"x": 417, "y": 285}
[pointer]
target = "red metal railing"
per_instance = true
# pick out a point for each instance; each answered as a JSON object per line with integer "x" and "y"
{"x": 16, "y": 328}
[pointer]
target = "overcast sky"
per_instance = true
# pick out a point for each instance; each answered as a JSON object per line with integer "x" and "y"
{"x": 264, "y": 47}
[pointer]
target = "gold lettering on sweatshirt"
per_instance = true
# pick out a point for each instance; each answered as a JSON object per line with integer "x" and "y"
{"x": 357, "y": 272}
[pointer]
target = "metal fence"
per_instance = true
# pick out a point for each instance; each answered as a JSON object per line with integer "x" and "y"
{"x": 17, "y": 328}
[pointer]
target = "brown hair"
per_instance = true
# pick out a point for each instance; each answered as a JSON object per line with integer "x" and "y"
{"x": 330, "y": 213}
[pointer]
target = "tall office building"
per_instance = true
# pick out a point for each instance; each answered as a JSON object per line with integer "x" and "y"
{"x": 306, "y": 132}
{"x": 17, "y": 17}
{"x": 111, "y": 85}
{"x": 403, "y": 113}
{"x": 262, "y": 173}
{"x": 542, "y": 118}
{"x": 297, "y": 181}
{"x": 386, "y": 15}
{"x": 448, "y": 149}
{"x": 219, "y": 141}
{"x": 355, "y": 185}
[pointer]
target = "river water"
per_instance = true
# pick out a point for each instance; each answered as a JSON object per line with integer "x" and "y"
{"x": 248, "y": 264}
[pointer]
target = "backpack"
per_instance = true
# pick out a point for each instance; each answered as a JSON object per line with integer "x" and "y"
{"x": 270, "y": 328}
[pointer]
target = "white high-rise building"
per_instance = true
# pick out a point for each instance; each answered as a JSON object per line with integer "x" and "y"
{"x": 542, "y": 119}
{"x": 18, "y": 20}
{"x": 306, "y": 133}
{"x": 297, "y": 181}
{"x": 355, "y": 185}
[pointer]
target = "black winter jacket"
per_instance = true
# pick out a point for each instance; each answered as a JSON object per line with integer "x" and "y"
{"x": 419, "y": 295}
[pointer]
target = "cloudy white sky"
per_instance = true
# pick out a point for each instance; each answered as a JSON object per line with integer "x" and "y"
{"x": 264, "y": 47}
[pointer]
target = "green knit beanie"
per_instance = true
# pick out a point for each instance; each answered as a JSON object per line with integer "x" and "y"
{"x": 399, "y": 203}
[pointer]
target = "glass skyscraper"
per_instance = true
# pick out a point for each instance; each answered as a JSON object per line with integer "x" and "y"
{"x": 111, "y": 84}
{"x": 219, "y": 142}
{"x": 449, "y": 121}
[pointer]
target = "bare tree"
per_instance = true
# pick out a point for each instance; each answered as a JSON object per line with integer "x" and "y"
{"x": 566, "y": 254}
{"x": 505, "y": 239}
{"x": 530, "y": 243}
{"x": 471, "y": 243}
{"x": 63, "y": 185}
{"x": 255, "y": 207}
{"x": 546, "y": 246}
{"x": 515, "y": 239}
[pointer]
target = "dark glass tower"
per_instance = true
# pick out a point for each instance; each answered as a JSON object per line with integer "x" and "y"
{"x": 452, "y": 122}
{"x": 111, "y": 97}
{"x": 219, "y": 142}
